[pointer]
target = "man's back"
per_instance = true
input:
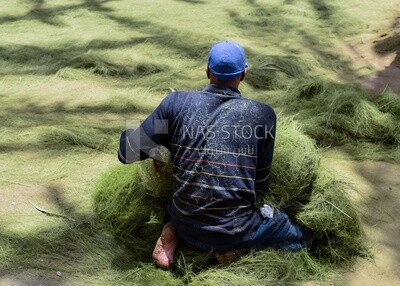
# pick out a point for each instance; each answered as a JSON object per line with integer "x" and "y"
{"x": 221, "y": 144}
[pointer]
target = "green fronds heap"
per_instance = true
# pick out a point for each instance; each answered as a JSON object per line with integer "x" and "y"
{"x": 333, "y": 221}
{"x": 336, "y": 114}
{"x": 295, "y": 164}
{"x": 131, "y": 201}
{"x": 70, "y": 137}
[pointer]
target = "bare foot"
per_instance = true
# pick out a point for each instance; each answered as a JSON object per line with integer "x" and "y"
{"x": 164, "y": 251}
{"x": 228, "y": 256}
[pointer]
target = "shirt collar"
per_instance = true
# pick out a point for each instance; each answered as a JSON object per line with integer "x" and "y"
{"x": 221, "y": 89}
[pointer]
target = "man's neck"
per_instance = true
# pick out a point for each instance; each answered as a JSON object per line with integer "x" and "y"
{"x": 234, "y": 83}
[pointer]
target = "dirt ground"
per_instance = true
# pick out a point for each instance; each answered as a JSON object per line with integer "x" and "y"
{"x": 378, "y": 196}
{"x": 377, "y": 58}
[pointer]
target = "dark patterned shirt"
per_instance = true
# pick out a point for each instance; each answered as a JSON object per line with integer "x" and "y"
{"x": 221, "y": 148}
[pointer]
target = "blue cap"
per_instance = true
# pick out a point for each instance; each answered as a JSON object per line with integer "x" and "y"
{"x": 227, "y": 60}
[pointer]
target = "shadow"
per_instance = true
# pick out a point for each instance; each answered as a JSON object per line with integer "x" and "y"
{"x": 14, "y": 147}
{"x": 49, "y": 60}
{"x": 389, "y": 77}
{"x": 46, "y": 15}
{"x": 336, "y": 18}
{"x": 30, "y": 277}
{"x": 270, "y": 19}
{"x": 324, "y": 10}
{"x": 382, "y": 207}
{"x": 76, "y": 246}
{"x": 333, "y": 59}
{"x": 59, "y": 109}
{"x": 52, "y": 127}
{"x": 128, "y": 22}
{"x": 262, "y": 21}
{"x": 193, "y": 1}
{"x": 273, "y": 72}
{"x": 50, "y": 16}
{"x": 45, "y": 61}
{"x": 64, "y": 243}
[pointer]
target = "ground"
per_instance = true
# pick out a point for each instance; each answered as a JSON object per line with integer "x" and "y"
{"x": 378, "y": 182}
{"x": 379, "y": 195}
{"x": 43, "y": 85}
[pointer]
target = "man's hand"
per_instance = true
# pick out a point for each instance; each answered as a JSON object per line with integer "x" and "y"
{"x": 158, "y": 161}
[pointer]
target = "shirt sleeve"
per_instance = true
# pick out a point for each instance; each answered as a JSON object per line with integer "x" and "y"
{"x": 265, "y": 156}
{"x": 139, "y": 144}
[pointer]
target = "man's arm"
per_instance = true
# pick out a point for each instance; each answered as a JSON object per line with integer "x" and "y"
{"x": 140, "y": 144}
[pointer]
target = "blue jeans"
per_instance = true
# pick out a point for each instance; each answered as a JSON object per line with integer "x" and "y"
{"x": 274, "y": 229}
{"x": 278, "y": 231}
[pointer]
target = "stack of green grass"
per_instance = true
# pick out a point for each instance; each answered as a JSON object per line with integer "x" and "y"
{"x": 333, "y": 220}
{"x": 333, "y": 113}
{"x": 316, "y": 200}
{"x": 73, "y": 137}
{"x": 339, "y": 114}
{"x": 273, "y": 72}
{"x": 130, "y": 202}
{"x": 295, "y": 165}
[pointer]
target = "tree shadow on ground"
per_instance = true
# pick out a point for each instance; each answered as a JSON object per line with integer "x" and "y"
{"x": 50, "y": 16}
{"x": 70, "y": 241}
{"x": 193, "y": 1}
{"x": 270, "y": 19}
{"x": 323, "y": 9}
{"x": 46, "y": 61}
{"x": 76, "y": 246}
{"x": 389, "y": 77}
{"x": 262, "y": 20}
{"x": 382, "y": 206}
{"x": 32, "y": 59}
{"x": 35, "y": 115}
{"x": 32, "y": 126}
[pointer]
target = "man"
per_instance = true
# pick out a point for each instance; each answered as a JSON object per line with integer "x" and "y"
{"x": 221, "y": 147}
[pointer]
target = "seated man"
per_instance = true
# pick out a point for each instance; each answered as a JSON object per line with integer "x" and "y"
{"x": 221, "y": 148}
